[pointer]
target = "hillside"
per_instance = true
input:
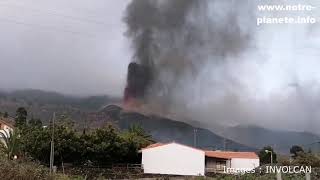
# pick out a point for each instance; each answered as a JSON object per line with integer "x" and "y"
{"x": 85, "y": 112}
{"x": 280, "y": 140}
{"x": 89, "y": 112}
{"x": 166, "y": 130}
{"x": 42, "y": 104}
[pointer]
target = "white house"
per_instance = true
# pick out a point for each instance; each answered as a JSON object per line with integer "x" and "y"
{"x": 173, "y": 158}
{"x": 5, "y": 127}
{"x": 177, "y": 159}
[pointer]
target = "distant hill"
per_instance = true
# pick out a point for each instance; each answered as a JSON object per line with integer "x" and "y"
{"x": 280, "y": 140}
{"x": 30, "y": 96}
{"x": 167, "y": 130}
{"x": 42, "y": 104}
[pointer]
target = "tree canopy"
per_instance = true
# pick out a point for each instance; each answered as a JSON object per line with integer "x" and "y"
{"x": 21, "y": 117}
{"x": 295, "y": 150}
{"x": 102, "y": 146}
{"x": 265, "y": 155}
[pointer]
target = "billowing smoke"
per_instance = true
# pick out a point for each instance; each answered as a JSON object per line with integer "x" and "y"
{"x": 206, "y": 61}
{"x": 138, "y": 79}
{"x": 173, "y": 40}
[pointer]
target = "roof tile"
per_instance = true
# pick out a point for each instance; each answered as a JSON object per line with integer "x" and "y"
{"x": 230, "y": 154}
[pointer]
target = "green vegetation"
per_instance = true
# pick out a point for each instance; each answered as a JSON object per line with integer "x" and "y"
{"x": 306, "y": 159}
{"x": 295, "y": 150}
{"x": 21, "y": 117}
{"x": 265, "y": 155}
{"x": 15, "y": 170}
{"x": 300, "y": 157}
{"x": 26, "y": 170}
{"x": 104, "y": 146}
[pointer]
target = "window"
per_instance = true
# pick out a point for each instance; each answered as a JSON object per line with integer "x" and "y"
{"x": 220, "y": 165}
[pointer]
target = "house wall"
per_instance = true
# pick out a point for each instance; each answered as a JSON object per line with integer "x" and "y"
{"x": 4, "y": 127}
{"x": 216, "y": 164}
{"x": 173, "y": 159}
{"x": 5, "y": 130}
{"x": 239, "y": 163}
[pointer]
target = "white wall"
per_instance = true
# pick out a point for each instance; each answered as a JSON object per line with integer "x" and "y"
{"x": 6, "y": 129}
{"x": 173, "y": 159}
{"x": 239, "y": 163}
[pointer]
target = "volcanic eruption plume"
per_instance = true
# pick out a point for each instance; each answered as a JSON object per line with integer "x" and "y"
{"x": 174, "y": 39}
{"x": 138, "y": 79}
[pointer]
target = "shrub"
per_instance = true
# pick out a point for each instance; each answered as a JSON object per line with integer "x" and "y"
{"x": 306, "y": 159}
{"x": 27, "y": 170}
{"x": 14, "y": 170}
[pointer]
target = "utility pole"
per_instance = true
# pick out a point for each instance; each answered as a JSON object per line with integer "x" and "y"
{"x": 85, "y": 124}
{"x": 271, "y": 152}
{"x": 52, "y": 144}
{"x": 195, "y": 137}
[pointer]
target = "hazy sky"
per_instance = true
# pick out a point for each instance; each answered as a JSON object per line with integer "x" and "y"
{"x": 74, "y": 46}
{"x": 79, "y": 47}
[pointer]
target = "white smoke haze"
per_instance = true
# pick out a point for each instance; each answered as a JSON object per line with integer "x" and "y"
{"x": 271, "y": 79}
{"x": 279, "y": 82}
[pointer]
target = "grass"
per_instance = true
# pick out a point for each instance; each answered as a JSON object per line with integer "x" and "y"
{"x": 26, "y": 170}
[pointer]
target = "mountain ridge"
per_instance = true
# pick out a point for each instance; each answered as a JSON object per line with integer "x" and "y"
{"x": 42, "y": 104}
{"x": 167, "y": 130}
{"x": 280, "y": 140}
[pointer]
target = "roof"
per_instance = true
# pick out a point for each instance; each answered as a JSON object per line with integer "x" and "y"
{"x": 161, "y": 144}
{"x": 154, "y": 145}
{"x": 231, "y": 154}
{"x": 7, "y": 122}
{"x": 214, "y": 154}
